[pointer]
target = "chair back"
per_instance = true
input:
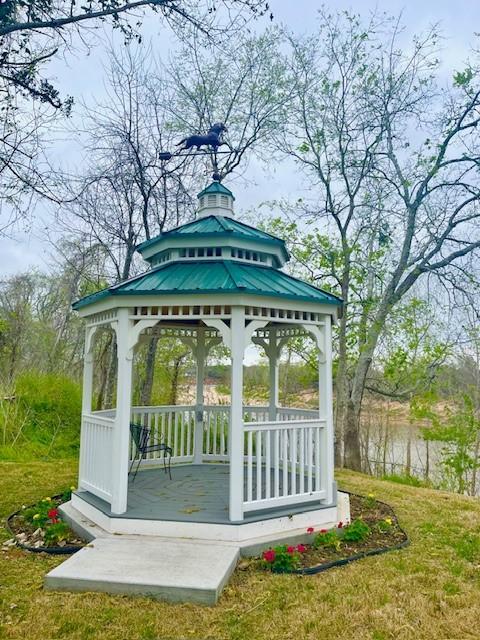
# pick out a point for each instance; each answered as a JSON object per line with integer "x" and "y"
{"x": 140, "y": 435}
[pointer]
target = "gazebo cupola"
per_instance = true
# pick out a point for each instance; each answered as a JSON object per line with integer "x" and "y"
{"x": 215, "y": 200}
{"x": 210, "y": 281}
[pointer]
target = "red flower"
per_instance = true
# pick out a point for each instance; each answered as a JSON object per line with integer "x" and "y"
{"x": 290, "y": 549}
{"x": 53, "y": 514}
{"x": 310, "y": 530}
{"x": 340, "y": 524}
{"x": 323, "y": 530}
{"x": 301, "y": 548}
{"x": 269, "y": 555}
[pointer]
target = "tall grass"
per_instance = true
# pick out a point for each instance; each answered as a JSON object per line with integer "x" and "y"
{"x": 40, "y": 418}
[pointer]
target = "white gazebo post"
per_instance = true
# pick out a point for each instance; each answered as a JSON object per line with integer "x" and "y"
{"x": 87, "y": 392}
{"x": 325, "y": 398}
{"x": 121, "y": 439}
{"x": 237, "y": 333}
{"x": 273, "y": 353}
{"x": 199, "y": 353}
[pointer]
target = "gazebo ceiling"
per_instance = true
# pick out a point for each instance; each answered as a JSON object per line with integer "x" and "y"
{"x": 213, "y": 277}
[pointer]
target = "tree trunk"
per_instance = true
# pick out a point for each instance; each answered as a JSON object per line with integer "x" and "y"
{"x": 111, "y": 377}
{"x": 342, "y": 387}
{"x": 351, "y": 422}
{"x": 147, "y": 384}
{"x": 408, "y": 464}
{"x": 353, "y": 457}
{"x": 176, "y": 375}
{"x": 103, "y": 365}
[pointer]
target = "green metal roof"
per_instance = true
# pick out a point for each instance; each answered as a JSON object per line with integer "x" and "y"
{"x": 216, "y": 187}
{"x": 217, "y": 226}
{"x": 221, "y": 276}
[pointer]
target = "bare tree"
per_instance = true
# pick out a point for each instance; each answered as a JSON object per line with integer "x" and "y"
{"x": 241, "y": 85}
{"x": 34, "y": 33}
{"x": 126, "y": 194}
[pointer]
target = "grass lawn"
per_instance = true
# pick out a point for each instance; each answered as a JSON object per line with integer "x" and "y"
{"x": 429, "y": 590}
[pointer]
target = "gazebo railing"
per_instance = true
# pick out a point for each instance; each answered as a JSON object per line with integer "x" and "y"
{"x": 285, "y": 460}
{"x": 175, "y": 425}
{"x": 286, "y": 463}
{"x": 96, "y": 454}
{"x": 172, "y": 425}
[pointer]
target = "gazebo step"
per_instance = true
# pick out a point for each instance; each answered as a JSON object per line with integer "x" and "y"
{"x": 177, "y": 571}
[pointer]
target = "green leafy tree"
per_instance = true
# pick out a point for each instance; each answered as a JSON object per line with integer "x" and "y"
{"x": 457, "y": 432}
{"x": 391, "y": 161}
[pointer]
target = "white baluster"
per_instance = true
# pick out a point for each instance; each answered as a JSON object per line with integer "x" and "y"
{"x": 277, "y": 462}
{"x": 293, "y": 462}
{"x": 249, "y": 465}
{"x": 259, "y": 465}
{"x": 268, "y": 471}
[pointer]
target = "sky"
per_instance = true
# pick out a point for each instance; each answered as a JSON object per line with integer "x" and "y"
{"x": 81, "y": 76}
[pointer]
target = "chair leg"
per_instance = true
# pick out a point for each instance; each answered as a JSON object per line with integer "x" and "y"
{"x": 138, "y": 465}
{"x": 169, "y": 465}
{"x": 131, "y": 465}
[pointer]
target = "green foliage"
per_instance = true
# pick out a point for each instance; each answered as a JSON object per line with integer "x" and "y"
{"x": 37, "y": 514}
{"x": 42, "y": 418}
{"x": 328, "y": 539}
{"x": 409, "y": 480}
{"x": 384, "y": 526}
{"x": 282, "y": 559}
{"x": 356, "y": 531}
{"x": 463, "y": 78}
{"x": 55, "y": 533}
{"x": 458, "y": 432}
{"x": 370, "y": 500}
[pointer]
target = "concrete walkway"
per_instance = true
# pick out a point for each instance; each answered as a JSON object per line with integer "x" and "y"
{"x": 173, "y": 570}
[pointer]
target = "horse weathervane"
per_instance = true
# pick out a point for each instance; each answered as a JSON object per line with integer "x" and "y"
{"x": 212, "y": 140}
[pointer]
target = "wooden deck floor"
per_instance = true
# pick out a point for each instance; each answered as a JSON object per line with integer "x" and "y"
{"x": 196, "y": 493}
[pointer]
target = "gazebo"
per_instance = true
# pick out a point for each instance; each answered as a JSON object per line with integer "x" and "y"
{"x": 238, "y": 472}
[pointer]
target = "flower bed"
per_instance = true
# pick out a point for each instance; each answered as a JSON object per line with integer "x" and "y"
{"x": 39, "y": 527}
{"x": 373, "y": 529}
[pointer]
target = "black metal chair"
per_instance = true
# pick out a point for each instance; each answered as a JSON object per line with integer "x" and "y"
{"x": 141, "y": 436}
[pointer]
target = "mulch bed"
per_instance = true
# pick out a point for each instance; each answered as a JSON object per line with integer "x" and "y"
{"x": 373, "y": 513}
{"x": 376, "y": 541}
{"x": 31, "y": 538}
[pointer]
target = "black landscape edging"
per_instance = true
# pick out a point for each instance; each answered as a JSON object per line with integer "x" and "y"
{"x": 310, "y": 571}
{"x": 52, "y": 550}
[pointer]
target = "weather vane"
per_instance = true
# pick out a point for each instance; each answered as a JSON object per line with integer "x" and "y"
{"x": 212, "y": 140}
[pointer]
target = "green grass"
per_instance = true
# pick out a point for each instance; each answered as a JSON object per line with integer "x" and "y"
{"x": 40, "y": 418}
{"x": 429, "y": 590}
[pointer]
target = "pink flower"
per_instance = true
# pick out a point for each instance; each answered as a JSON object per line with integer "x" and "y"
{"x": 310, "y": 530}
{"x": 340, "y": 524}
{"x": 290, "y": 549}
{"x": 269, "y": 555}
{"x": 301, "y": 548}
{"x": 323, "y": 530}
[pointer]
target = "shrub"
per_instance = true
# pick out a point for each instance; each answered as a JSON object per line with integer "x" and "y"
{"x": 356, "y": 531}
